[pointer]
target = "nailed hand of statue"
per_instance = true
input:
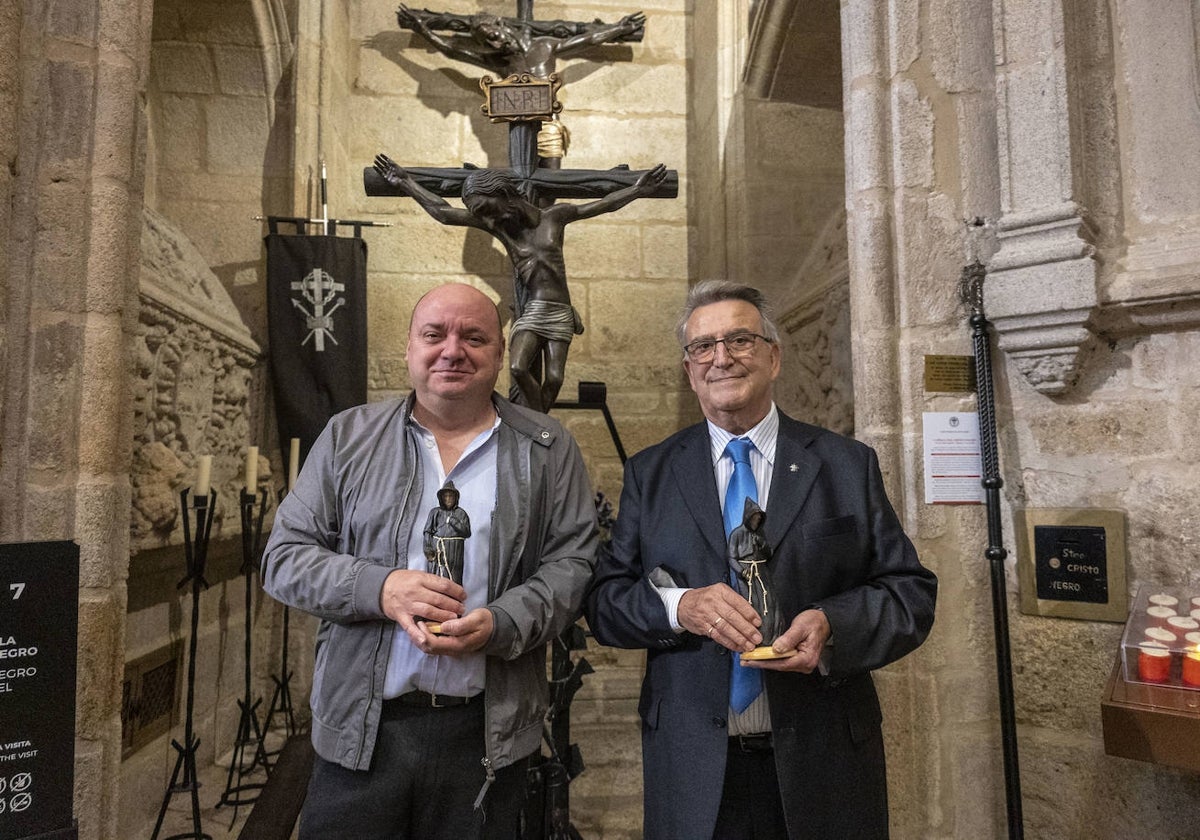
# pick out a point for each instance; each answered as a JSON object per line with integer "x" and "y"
{"x": 389, "y": 170}
{"x": 407, "y": 17}
{"x": 633, "y": 22}
{"x": 651, "y": 179}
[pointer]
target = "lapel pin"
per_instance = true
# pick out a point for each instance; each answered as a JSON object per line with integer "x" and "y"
{"x": 793, "y": 468}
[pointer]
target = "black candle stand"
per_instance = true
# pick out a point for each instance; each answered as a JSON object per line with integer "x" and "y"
{"x": 183, "y": 777}
{"x": 238, "y": 791}
{"x": 281, "y": 699}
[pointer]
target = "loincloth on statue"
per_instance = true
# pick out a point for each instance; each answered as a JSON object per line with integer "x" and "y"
{"x": 550, "y": 319}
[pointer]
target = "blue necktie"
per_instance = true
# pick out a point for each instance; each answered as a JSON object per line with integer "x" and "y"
{"x": 747, "y": 682}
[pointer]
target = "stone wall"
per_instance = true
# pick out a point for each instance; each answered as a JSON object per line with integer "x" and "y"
{"x": 1054, "y": 142}
{"x": 1009, "y": 132}
{"x": 72, "y": 210}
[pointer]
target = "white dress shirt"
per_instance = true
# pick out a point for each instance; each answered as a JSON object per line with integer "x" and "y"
{"x": 474, "y": 477}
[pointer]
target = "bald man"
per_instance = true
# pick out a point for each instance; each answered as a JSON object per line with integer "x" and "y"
{"x": 423, "y": 734}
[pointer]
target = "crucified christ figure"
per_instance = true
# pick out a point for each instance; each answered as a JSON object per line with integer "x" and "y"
{"x": 495, "y": 44}
{"x": 533, "y": 238}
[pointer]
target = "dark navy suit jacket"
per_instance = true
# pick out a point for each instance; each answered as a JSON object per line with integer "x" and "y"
{"x": 838, "y": 545}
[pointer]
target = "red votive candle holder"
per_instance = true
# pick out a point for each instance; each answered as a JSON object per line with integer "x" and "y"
{"x": 1154, "y": 662}
{"x": 1195, "y": 614}
{"x": 1193, "y": 639}
{"x": 1195, "y": 602}
{"x": 1191, "y": 668}
{"x": 1162, "y": 599}
{"x": 1159, "y": 613}
{"x": 1161, "y": 635}
{"x": 1182, "y": 624}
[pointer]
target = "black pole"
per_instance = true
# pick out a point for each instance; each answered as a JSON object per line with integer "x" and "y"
{"x": 972, "y": 293}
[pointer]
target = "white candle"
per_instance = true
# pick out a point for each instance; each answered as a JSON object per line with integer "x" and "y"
{"x": 252, "y": 470}
{"x": 203, "y": 479}
{"x": 1163, "y": 600}
{"x": 293, "y": 463}
{"x": 1182, "y": 624}
{"x": 1159, "y": 614}
{"x": 1159, "y": 634}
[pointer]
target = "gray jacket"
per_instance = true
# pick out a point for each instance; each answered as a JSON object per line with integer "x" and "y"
{"x": 344, "y": 528}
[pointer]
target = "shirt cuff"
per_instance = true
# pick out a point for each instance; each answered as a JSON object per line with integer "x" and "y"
{"x": 670, "y": 597}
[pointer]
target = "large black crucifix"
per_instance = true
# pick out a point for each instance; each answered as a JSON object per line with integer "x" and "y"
{"x": 517, "y": 205}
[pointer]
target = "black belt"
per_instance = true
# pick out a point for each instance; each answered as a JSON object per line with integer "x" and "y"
{"x": 423, "y": 699}
{"x": 759, "y": 742}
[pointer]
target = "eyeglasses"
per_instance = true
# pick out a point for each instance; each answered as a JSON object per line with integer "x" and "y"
{"x": 738, "y": 345}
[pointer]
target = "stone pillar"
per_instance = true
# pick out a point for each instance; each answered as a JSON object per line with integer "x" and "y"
{"x": 919, "y": 147}
{"x": 70, "y": 276}
{"x": 1041, "y": 292}
{"x": 1160, "y": 150}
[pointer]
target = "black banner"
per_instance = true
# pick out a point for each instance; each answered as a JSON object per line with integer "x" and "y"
{"x": 317, "y": 318}
{"x": 39, "y": 618}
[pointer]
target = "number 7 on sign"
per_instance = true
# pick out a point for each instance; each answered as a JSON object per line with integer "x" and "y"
{"x": 17, "y": 589}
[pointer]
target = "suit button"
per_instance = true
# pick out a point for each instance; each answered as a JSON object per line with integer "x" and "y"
{"x": 719, "y": 722}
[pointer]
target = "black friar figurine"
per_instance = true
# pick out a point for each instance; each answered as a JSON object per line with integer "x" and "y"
{"x": 445, "y": 534}
{"x": 748, "y": 553}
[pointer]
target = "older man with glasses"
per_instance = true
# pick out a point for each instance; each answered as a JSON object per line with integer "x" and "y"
{"x": 786, "y": 746}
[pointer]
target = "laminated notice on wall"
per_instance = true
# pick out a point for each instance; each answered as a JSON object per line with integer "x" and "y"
{"x": 953, "y": 463}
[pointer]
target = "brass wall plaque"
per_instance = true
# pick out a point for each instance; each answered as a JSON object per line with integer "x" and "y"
{"x": 1071, "y": 563}
{"x": 949, "y": 374}
{"x": 520, "y": 98}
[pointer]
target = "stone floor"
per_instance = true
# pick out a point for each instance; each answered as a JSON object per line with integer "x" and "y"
{"x": 605, "y": 800}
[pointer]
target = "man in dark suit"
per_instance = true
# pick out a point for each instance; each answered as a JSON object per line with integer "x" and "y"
{"x": 789, "y": 747}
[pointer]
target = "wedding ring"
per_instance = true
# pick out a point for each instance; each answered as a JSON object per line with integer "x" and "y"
{"x": 709, "y": 631}
{"x": 717, "y": 623}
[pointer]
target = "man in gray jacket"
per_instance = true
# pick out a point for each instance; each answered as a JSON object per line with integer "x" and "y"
{"x": 420, "y": 734}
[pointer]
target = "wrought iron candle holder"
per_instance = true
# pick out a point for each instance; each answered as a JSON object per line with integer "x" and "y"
{"x": 239, "y": 791}
{"x": 195, "y": 543}
{"x": 281, "y": 699}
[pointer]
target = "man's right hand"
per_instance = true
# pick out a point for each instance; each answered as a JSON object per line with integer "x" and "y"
{"x": 722, "y": 614}
{"x": 408, "y": 595}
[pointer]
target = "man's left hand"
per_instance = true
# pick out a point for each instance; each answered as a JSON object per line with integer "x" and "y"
{"x": 459, "y": 635}
{"x": 807, "y": 636}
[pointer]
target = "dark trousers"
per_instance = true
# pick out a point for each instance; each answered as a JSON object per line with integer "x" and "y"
{"x": 751, "y": 807}
{"x": 425, "y": 774}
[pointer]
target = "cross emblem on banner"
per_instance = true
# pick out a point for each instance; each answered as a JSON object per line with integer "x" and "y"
{"x": 319, "y": 288}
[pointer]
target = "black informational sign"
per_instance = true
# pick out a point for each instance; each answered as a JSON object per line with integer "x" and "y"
{"x": 39, "y": 617}
{"x": 1071, "y": 563}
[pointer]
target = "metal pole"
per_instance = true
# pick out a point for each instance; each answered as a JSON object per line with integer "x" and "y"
{"x": 972, "y": 293}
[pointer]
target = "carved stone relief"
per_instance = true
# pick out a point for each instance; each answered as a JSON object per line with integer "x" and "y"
{"x": 194, "y": 356}
{"x": 816, "y": 384}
